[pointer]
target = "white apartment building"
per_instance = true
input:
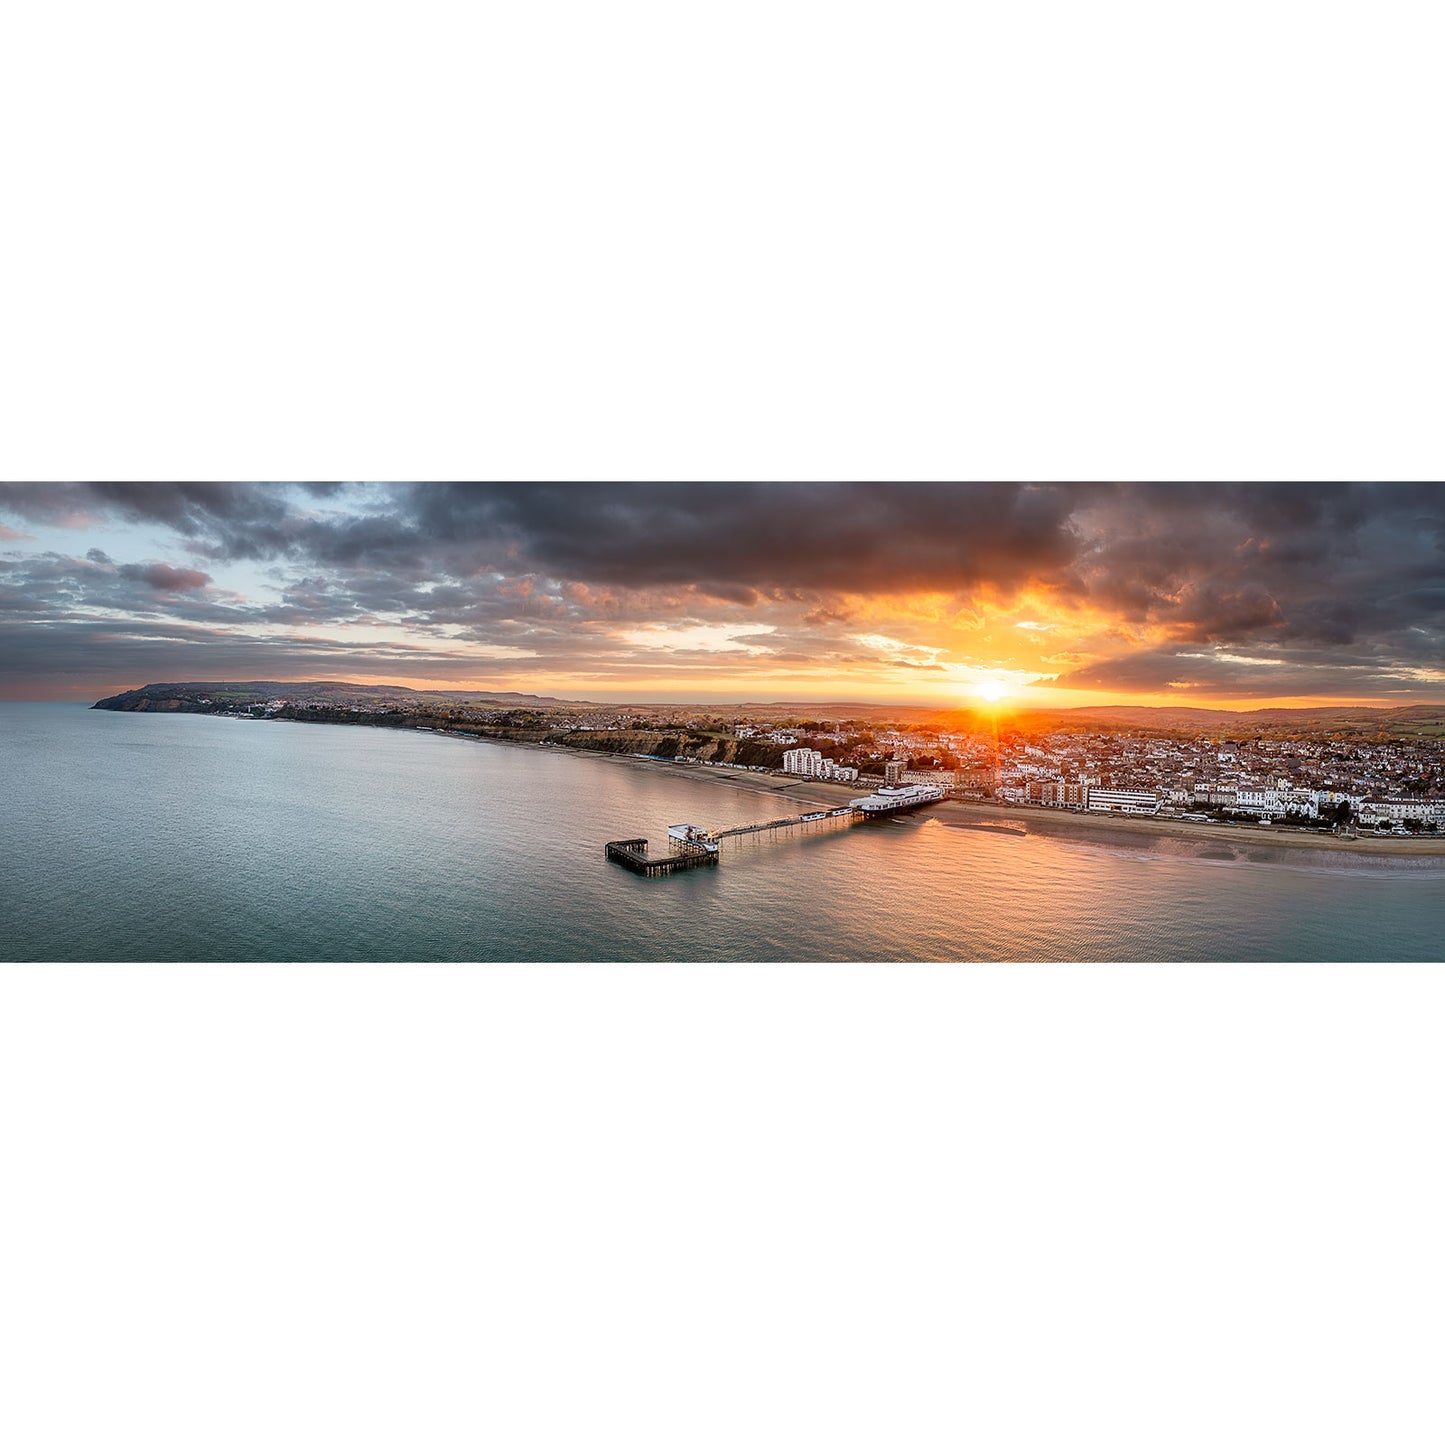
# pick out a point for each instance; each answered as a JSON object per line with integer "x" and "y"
{"x": 810, "y": 763}
{"x": 806, "y": 762}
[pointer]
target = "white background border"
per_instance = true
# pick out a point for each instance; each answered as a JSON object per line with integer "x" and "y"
{"x": 669, "y": 241}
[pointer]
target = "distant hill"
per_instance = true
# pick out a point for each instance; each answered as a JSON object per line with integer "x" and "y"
{"x": 173, "y": 696}
{"x": 1414, "y": 718}
{"x": 1192, "y": 716}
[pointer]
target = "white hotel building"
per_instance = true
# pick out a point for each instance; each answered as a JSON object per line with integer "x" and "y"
{"x": 1263, "y": 802}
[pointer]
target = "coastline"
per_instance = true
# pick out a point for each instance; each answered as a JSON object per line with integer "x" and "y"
{"x": 1046, "y": 822}
{"x": 1057, "y": 822}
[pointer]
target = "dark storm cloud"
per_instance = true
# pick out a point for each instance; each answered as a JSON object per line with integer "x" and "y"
{"x": 742, "y": 542}
{"x": 193, "y": 509}
{"x": 738, "y": 541}
{"x": 1271, "y": 566}
{"x": 1216, "y": 673}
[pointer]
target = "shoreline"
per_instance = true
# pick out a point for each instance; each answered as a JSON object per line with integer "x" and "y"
{"x": 1013, "y": 818}
{"x": 1056, "y": 822}
{"x": 1046, "y": 822}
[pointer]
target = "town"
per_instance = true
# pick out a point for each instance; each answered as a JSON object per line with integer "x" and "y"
{"x": 1393, "y": 784}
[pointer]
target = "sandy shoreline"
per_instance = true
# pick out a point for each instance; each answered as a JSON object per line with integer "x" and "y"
{"x": 1057, "y": 822}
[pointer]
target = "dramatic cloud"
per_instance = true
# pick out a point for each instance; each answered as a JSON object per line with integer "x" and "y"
{"x": 1269, "y": 590}
{"x": 735, "y": 541}
{"x": 166, "y": 579}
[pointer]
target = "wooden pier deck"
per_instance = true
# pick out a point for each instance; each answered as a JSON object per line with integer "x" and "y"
{"x": 632, "y": 853}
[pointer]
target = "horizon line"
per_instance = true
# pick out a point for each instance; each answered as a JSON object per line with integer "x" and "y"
{"x": 802, "y": 705}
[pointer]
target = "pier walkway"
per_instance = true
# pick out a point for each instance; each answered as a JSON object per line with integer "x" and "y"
{"x": 849, "y": 815}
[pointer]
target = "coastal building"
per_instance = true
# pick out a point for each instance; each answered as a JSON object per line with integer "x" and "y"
{"x": 893, "y": 772}
{"x": 1215, "y": 797}
{"x": 1400, "y": 810}
{"x": 1122, "y": 800}
{"x": 980, "y": 779}
{"x": 1056, "y": 793}
{"x": 1263, "y": 802}
{"x": 810, "y": 763}
{"x": 806, "y": 762}
{"x": 927, "y": 777}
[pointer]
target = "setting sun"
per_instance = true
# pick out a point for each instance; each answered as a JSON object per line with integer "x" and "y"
{"x": 991, "y": 691}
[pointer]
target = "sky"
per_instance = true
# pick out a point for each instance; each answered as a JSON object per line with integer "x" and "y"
{"x": 1048, "y": 594}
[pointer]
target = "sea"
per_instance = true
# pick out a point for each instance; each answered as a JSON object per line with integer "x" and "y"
{"x": 175, "y": 836}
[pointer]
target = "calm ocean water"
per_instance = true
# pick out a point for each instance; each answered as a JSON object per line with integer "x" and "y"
{"x": 153, "y": 836}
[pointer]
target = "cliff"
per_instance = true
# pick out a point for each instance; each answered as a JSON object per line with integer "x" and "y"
{"x": 675, "y": 743}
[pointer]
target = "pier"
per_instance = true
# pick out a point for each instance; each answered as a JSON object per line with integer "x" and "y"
{"x": 694, "y": 847}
